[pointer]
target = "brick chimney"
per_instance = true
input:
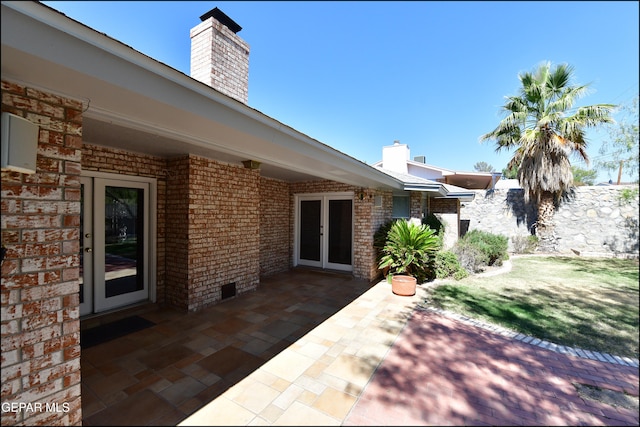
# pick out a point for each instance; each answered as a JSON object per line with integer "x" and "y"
{"x": 219, "y": 58}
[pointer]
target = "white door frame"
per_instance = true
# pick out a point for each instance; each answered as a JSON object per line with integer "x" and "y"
{"x": 324, "y": 198}
{"x": 93, "y": 240}
{"x": 86, "y": 278}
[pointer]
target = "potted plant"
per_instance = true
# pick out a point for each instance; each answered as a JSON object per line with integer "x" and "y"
{"x": 408, "y": 253}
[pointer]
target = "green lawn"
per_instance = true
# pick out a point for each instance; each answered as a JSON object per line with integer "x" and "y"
{"x": 589, "y": 303}
{"x": 127, "y": 249}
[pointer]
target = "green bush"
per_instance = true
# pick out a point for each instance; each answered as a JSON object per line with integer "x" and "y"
{"x": 380, "y": 239}
{"x": 460, "y": 274}
{"x": 469, "y": 256}
{"x": 478, "y": 249}
{"x": 433, "y": 222}
{"x": 493, "y": 246}
{"x": 446, "y": 264}
{"x": 436, "y": 225}
{"x": 627, "y": 195}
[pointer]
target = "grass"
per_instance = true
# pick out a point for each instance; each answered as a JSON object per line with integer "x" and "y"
{"x": 589, "y": 303}
{"x": 127, "y": 249}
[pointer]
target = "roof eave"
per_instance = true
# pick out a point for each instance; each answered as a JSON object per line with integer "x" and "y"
{"x": 102, "y": 61}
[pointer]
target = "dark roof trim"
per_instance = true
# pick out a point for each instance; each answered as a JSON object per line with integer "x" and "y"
{"x": 221, "y": 17}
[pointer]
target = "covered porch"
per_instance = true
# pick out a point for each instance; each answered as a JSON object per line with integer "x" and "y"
{"x": 304, "y": 344}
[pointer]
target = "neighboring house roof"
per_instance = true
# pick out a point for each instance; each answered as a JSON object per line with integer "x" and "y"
{"x": 466, "y": 180}
{"x": 422, "y": 165}
{"x": 474, "y": 180}
{"x": 414, "y": 183}
{"x": 136, "y": 103}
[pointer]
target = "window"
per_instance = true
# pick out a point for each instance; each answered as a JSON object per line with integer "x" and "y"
{"x": 401, "y": 208}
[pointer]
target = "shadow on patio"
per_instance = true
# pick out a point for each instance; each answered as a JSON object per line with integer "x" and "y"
{"x": 163, "y": 374}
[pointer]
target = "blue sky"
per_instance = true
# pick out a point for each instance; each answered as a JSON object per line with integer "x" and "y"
{"x": 358, "y": 75}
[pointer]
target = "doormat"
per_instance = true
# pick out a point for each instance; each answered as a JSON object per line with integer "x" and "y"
{"x": 110, "y": 331}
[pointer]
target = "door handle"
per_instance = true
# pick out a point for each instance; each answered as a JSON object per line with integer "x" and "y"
{"x": 88, "y": 250}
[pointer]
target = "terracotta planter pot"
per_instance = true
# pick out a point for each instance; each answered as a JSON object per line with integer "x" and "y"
{"x": 404, "y": 285}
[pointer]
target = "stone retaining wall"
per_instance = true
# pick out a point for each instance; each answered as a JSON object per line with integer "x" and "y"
{"x": 593, "y": 220}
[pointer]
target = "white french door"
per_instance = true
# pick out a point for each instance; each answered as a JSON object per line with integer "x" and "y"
{"x": 115, "y": 242}
{"x": 324, "y": 231}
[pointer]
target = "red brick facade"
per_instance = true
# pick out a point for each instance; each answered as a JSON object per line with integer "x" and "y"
{"x": 380, "y": 214}
{"x": 445, "y": 206}
{"x": 275, "y": 233}
{"x": 223, "y": 239}
{"x": 40, "y": 301}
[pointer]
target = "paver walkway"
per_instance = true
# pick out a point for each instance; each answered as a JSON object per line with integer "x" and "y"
{"x": 443, "y": 371}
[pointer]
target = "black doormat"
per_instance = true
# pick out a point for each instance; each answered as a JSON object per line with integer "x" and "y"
{"x": 109, "y": 331}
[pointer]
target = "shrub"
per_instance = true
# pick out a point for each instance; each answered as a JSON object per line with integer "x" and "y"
{"x": 446, "y": 264}
{"x": 478, "y": 249}
{"x": 470, "y": 257}
{"x": 524, "y": 244}
{"x": 460, "y": 274}
{"x": 380, "y": 239}
{"x": 627, "y": 195}
{"x": 493, "y": 246}
{"x": 433, "y": 222}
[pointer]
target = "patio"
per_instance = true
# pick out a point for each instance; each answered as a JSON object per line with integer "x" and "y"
{"x": 163, "y": 374}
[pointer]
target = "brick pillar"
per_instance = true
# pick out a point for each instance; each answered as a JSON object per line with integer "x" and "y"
{"x": 40, "y": 273}
{"x": 416, "y": 206}
{"x": 213, "y": 231}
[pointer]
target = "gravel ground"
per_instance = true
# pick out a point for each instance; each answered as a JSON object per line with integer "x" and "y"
{"x": 610, "y": 397}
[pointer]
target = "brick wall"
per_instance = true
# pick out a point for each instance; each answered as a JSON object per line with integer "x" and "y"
{"x": 40, "y": 274}
{"x": 275, "y": 255}
{"x": 415, "y": 201}
{"x": 444, "y": 206}
{"x": 363, "y": 229}
{"x": 177, "y": 233}
{"x": 213, "y": 228}
{"x": 379, "y": 215}
{"x": 277, "y": 222}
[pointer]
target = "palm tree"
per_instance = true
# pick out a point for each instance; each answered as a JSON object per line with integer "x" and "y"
{"x": 543, "y": 126}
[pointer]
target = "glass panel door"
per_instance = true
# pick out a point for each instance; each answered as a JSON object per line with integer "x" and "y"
{"x": 310, "y": 232}
{"x": 325, "y": 231}
{"x": 340, "y": 232}
{"x": 120, "y": 257}
{"x": 114, "y": 243}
